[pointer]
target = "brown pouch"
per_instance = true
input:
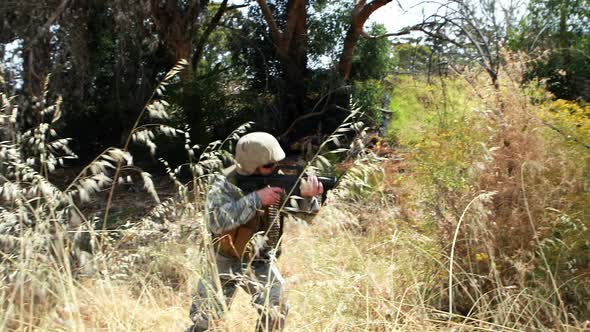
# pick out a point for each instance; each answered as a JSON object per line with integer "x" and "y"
{"x": 236, "y": 242}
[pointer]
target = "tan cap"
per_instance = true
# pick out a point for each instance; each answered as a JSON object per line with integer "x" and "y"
{"x": 257, "y": 149}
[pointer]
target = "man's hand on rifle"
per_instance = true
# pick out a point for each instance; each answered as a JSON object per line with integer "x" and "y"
{"x": 270, "y": 195}
{"x": 311, "y": 187}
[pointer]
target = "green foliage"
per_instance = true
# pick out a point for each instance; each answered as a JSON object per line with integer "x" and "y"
{"x": 557, "y": 18}
{"x": 419, "y": 107}
{"x": 566, "y": 244}
{"x": 250, "y": 46}
{"x": 328, "y": 21}
{"x": 121, "y": 69}
{"x": 217, "y": 58}
{"x": 445, "y": 157}
{"x": 557, "y": 26}
{"x": 370, "y": 95}
{"x": 437, "y": 121}
{"x": 570, "y": 119}
{"x": 567, "y": 247}
{"x": 372, "y": 57}
{"x": 409, "y": 58}
{"x": 202, "y": 106}
{"x": 566, "y": 71}
{"x": 371, "y": 64}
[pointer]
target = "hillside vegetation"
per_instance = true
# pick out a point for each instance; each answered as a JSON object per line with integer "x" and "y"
{"x": 472, "y": 214}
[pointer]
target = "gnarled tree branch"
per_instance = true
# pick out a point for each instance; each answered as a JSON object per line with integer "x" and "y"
{"x": 205, "y": 36}
{"x": 275, "y": 33}
{"x": 361, "y": 13}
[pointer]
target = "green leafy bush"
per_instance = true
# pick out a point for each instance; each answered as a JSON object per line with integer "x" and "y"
{"x": 370, "y": 95}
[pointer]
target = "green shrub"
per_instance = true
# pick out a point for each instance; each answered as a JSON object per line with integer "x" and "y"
{"x": 370, "y": 95}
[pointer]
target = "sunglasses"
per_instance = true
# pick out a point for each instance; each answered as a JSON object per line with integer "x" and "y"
{"x": 269, "y": 165}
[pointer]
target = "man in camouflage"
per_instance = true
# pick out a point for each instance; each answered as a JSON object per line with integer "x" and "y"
{"x": 246, "y": 235}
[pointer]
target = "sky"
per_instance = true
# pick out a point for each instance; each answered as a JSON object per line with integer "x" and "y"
{"x": 395, "y": 18}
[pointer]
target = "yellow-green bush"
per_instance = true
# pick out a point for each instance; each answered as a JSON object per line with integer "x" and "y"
{"x": 566, "y": 243}
{"x": 570, "y": 119}
{"x": 530, "y": 158}
{"x": 438, "y": 121}
{"x": 420, "y": 106}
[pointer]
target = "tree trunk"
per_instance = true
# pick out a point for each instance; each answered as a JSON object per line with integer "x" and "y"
{"x": 350, "y": 41}
{"x": 362, "y": 11}
{"x": 177, "y": 24}
{"x": 295, "y": 63}
{"x": 291, "y": 48}
{"x": 36, "y": 63}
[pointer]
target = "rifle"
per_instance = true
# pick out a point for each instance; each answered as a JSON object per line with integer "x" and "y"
{"x": 290, "y": 183}
{"x": 238, "y": 242}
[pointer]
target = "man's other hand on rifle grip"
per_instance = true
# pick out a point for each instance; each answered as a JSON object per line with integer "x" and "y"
{"x": 270, "y": 195}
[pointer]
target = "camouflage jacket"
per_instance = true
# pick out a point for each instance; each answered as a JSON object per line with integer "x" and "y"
{"x": 228, "y": 207}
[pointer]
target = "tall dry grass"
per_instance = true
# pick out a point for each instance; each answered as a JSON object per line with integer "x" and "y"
{"x": 56, "y": 262}
{"x": 472, "y": 239}
{"x": 504, "y": 190}
{"x": 62, "y": 270}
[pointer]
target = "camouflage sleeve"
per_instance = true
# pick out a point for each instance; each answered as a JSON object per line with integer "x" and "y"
{"x": 228, "y": 208}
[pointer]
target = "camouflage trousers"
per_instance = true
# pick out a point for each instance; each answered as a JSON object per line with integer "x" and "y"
{"x": 261, "y": 279}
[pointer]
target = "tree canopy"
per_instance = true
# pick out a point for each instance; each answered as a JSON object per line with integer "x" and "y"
{"x": 273, "y": 62}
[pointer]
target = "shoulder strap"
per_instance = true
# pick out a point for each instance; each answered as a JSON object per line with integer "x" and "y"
{"x": 230, "y": 174}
